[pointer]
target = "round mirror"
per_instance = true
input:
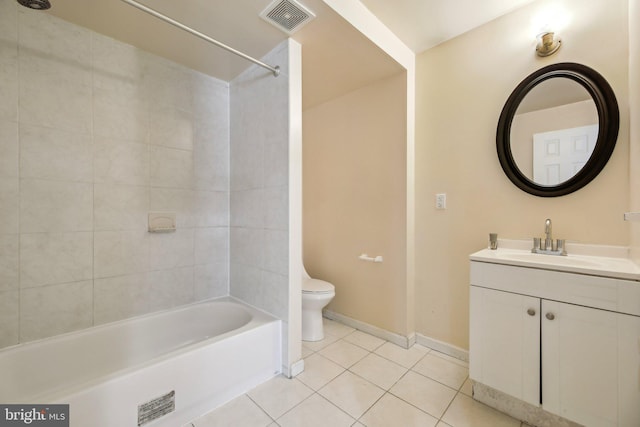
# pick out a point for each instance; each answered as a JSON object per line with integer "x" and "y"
{"x": 557, "y": 130}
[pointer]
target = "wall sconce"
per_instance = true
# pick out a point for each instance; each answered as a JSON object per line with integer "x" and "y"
{"x": 548, "y": 44}
{"x": 547, "y": 19}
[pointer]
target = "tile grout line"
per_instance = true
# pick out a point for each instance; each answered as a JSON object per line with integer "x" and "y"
{"x": 411, "y": 369}
{"x": 349, "y": 369}
{"x": 260, "y": 407}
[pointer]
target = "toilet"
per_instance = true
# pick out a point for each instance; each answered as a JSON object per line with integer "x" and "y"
{"x": 316, "y": 294}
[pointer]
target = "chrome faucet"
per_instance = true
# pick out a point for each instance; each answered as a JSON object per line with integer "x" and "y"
{"x": 548, "y": 246}
{"x": 548, "y": 241}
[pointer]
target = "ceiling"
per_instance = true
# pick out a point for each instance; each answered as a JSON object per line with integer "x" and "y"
{"x": 336, "y": 57}
{"x": 423, "y": 24}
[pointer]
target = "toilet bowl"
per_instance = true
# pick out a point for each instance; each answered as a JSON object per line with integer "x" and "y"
{"x": 316, "y": 294}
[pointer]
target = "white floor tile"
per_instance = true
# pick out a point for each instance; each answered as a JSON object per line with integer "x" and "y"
{"x": 350, "y": 370}
{"x": 343, "y": 353}
{"x": 241, "y": 411}
{"x": 319, "y": 345}
{"x": 402, "y": 356}
{"x": 364, "y": 340}
{"x": 380, "y": 371}
{"x": 424, "y": 393}
{"x": 466, "y": 412}
{"x": 315, "y": 411}
{"x": 306, "y": 352}
{"x": 336, "y": 329}
{"x": 451, "y": 359}
{"x": 442, "y": 370}
{"x": 318, "y": 371}
{"x": 351, "y": 393}
{"x": 391, "y": 411}
{"x": 279, "y": 395}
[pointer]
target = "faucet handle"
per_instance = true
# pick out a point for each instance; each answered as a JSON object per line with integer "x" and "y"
{"x": 560, "y": 246}
{"x": 536, "y": 244}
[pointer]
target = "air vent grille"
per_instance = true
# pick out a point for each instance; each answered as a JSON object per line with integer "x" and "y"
{"x": 287, "y": 15}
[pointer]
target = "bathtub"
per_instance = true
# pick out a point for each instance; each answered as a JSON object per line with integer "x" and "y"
{"x": 200, "y": 356}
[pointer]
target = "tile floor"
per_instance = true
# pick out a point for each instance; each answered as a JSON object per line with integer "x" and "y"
{"x": 355, "y": 379}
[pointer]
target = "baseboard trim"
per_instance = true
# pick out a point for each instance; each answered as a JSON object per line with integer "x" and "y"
{"x": 443, "y": 347}
{"x": 400, "y": 340}
{"x": 293, "y": 370}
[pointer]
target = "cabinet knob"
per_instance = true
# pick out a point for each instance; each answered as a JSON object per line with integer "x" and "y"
{"x": 550, "y": 316}
{"x": 531, "y": 312}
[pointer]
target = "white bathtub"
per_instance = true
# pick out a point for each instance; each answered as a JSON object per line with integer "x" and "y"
{"x": 208, "y": 353}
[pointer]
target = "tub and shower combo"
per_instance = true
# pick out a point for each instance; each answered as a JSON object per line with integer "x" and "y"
{"x": 164, "y": 369}
{"x": 167, "y": 368}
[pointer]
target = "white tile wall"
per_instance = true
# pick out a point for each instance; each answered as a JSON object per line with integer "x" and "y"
{"x": 120, "y": 297}
{"x": 118, "y": 161}
{"x": 9, "y": 261}
{"x": 9, "y": 321}
{"x": 8, "y": 147}
{"x": 54, "y": 154}
{"x": 118, "y": 253}
{"x": 94, "y": 134}
{"x": 50, "y": 258}
{"x": 120, "y": 207}
{"x": 8, "y": 62}
{"x": 54, "y": 206}
{"x": 55, "y": 309}
{"x": 259, "y": 248}
{"x": 9, "y": 205}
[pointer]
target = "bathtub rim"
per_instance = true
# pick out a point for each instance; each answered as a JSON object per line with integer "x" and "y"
{"x": 58, "y": 394}
{"x": 66, "y": 335}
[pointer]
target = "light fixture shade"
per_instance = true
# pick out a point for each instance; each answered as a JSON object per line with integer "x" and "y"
{"x": 548, "y": 44}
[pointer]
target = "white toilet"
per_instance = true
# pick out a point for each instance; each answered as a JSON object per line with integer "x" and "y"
{"x": 316, "y": 294}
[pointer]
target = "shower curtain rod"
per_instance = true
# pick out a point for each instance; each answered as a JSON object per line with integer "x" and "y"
{"x": 275, "y": 70}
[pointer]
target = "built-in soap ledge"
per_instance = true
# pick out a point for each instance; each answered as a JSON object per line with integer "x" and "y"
{"x": 162, "y": 222}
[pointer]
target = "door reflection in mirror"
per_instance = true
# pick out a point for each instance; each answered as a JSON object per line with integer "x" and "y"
{"x": 554, "y": 131}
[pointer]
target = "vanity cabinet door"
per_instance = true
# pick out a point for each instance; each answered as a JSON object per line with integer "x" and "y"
{"x": 628, "y": 370}
{"x": 589, "y": 357}
{"x": 505, "y": 342}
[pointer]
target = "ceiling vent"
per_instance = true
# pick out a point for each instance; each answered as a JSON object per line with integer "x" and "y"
{"x": 288, "y": 15}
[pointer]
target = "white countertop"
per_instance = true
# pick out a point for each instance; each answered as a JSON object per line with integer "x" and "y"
{"x": 596, "y": 260}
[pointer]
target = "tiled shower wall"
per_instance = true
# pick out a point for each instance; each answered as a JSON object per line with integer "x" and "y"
{"x": 259, "y": 240}
{"x": 94, "y": 134}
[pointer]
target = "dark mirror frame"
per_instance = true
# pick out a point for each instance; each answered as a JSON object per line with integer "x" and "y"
{"x": 608, "y": 125}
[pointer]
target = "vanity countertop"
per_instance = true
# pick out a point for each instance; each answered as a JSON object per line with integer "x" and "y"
{"x": 593, "y": 260}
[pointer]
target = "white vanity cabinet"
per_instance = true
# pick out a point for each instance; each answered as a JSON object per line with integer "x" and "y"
{"x": 505, "y": 342}
{"x": 564, "y": 342}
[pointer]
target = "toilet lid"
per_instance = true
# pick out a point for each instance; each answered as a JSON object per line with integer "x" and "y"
{"x": 317, "y": 286}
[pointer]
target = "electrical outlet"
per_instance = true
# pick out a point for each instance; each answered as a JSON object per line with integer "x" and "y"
{"x": 441, "y": 201}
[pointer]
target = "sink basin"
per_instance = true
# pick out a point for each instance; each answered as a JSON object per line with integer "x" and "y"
{"x": 613, "y": 267}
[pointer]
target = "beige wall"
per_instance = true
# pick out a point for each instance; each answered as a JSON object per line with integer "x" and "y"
{"x": 354, "y": 201}
{"x": 634, "y": 121}
{"x": 461, "y": 88}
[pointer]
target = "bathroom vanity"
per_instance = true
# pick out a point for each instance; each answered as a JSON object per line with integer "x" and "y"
{"x": 555, "y": 340}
